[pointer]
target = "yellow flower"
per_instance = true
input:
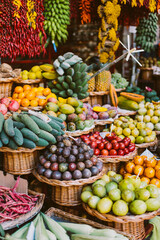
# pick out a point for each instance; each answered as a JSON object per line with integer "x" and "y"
{"x": 109, "y": 8}
{"x": 116, "y": 45}
{"x": 104, "y": 25}
{"x": 111, "y": 19}
{"x": 141, "y": 2}
{"x": 115, "y": 2}
{"x": 123, "y": 1}
{"x": 152, "y": 5}
{"x": 99, "y": 47}
{"x": 134, "y": 3}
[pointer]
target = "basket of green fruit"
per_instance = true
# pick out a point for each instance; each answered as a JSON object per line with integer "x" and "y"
{"x": 123, "y": 203}
{"x": 67, "y": 166}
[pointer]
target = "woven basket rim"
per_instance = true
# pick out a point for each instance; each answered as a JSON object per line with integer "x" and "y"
{"x": 29, "y": 81}
{"x": 25, "y": 217}
{"x": 78, "y": 132}
{"x": 131, "y": 113}
{"x": 123, "y": 219}
{"x": 102, "y": 122}
{"x": 145, "y": 145}
{"x": 72, "y": 218}
{"x": 31, "y": 108}
{"x": 7, "y": 80}
{"x": 98, "y": 93}
{"x": 20, "y": 149}
{"x": 80, "y": 182}
{"x": 120, "y": 89}
{"x": 116, "y": 159}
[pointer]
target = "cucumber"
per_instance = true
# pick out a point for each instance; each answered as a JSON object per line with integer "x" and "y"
{"x": 77, "y": 67}
{"x": 69, "y": 92}
{"x": 65, "y": 85}
{"x": 55, "y": 118}
{"x": 1, "y": 121}
{"x": 30, "y": 123}
{"x": 47, "y": 136}
{"x": 18, "y": 137}
{"x": 12, "y": 144}
{"x": 18, "y": 125}
{"x": 1, "y": 144}
{"x": 55, "y": 133}
{"x": 29, "y": 135}
{"x": 42, "y": 143}
{"x": 42, "y": 124}
{"x": 54, "y": 125}
{"x": 77, "y": 76}
{"x": 28, "y": 143}
{"x": 16, "y": 117}
{"x": 4, "y": 138}
{"x": 59, "y": 86}
{"x": 8, "y": 127}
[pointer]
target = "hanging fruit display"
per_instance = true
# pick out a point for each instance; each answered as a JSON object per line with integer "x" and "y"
{"x": 149, "y": 4}
{"x": 147, "y": 31}
{"x": 57, "y": 17}
{"x": 108, "y": 42}
{"x": 85, "y": 7}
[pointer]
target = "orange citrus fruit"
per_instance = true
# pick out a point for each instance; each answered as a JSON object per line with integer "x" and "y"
{"x": 41, "y": 102}
{"x": 150, "y": 162}
{"x": 21, "y": 95}
{"x": 38, "y": 93}
{"x": 18, "y": 89}
{"x": 149, "y": 172}
{"x": 130, "y": 167}
{"x": 138, "y": 160}
{"x": 122, "y": 171}
{"x": 40, "y": 89}
{"x": 158, "y": 174}
{"x": 138, "y": 170}
{"x": 34, "y": 89}
{"x": 155, "y": 181}
{"x": 145, "y": 179}
{"x": 157, "y": 167}
{"x": 27, "y": 88}
{"x": 30, "y": 95}
{"x": 25, "y": 102}
{"x": 34, "y": 103}
{"x": 46, "y": 91}
{"x": 158, "y": 163}
{"x": 15, "y": 95}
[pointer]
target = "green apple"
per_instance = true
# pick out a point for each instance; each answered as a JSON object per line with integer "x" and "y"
{"x": 139, "y": 118}
{"x": 117, "y": 122}
{"x": 157, "y": 112}
{"x": 125, "y": 125}
{"x": 148, "y": 131}
{"x": 142, "y": 132}
{"x": 139, "y": 139}
{"x": 132, "y": 138}
{"x": 141, "y": 105}
{"x": 147, "y": 139}
{"x": 118, "y": 131}
{"x": 92, "y": 201}
{"x": 131, "y": 126}
{"x": 157, "y": 126}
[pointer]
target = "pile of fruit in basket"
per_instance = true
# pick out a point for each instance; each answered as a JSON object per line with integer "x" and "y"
{"x": 8, "y": 104}
{"x": 138, "y": 132}
{"x": 69, "y": 159}
{"x": 115, "y": 195}
{"x": 148, "y": 62}
{"x": 149, "y": 94}
{"x": 71, "y": 111}
{"x": 129, "y": 101}
{"x": 118, "y": 81}
{"x": 150, "y": 114}
{"x": 32, "y": 96}
{"x": 148, "y": 169}
{"x": 29, "y": 131}
{"x": 111, "y": 145}
{"x": 6, "y": 71}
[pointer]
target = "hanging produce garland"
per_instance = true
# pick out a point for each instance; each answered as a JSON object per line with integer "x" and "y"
{"x": 151, "y": 5}
{"x": 85, "y": 7}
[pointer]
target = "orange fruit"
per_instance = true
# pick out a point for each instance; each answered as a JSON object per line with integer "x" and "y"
{"x": 15, "y": 95}
{"x": 38, "y": 93}
{"x": 157, "y": 167}
{"x": 127, "y": 175}
{"x": 138, "y": 160}
{"x": 40, "y": 89}
{"x": 18, "y": 89}
{"x": 25, "y": 102}
{"x": 151, "y": 162}
{"x": 158, "y": 163}
{"x": 27, "y": 88}
{"x": 21, "y": 95}
{"x": 34, "y": 89}
{"x": 34, "y": 103}
{"x": 145, "y": 179}
{"x": 155, "y": 181}
{"x": 130, "y": 167}
{"x": 158, "y": 174}
{"x": 138, "y": 170}
{"x": 18, "y": 100}
{"x": 122, "y": 171}
{"x": 30, "y": 95}
{"x": 41, "y": 102}
{"x": 149, "y": 172}
{"x": 46, "y": 91}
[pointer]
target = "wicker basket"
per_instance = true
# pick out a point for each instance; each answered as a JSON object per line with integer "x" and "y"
{"x": 79, "y": 133}
{"x": 133, "y": 224}
{"x": 26, "y": 217}
{"x": 21, "y": 161}
{"x": 54, "y": 212}
{"x": 31, "y": 82}
{"x": 97, "y": 97}
{"x": 146, "y": 145}
{"x": 67, "y": 193}
{"x": 39, "y": 108}
{"x": 6, "y": 87}
{"x": 102, "y": 122}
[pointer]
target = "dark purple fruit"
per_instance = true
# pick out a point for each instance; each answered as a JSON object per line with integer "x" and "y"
{"x": 60, "y": 145}
{"x": 53, "y": 158}
{"x": 59, "y": 151}
{"x": 91, "y": 152}
{"x": 85, "y": 147}
{"x": 94, "y": 160}
{"x": 63, "y": 167}
{"x": 59, "y": 138}
{"x": 67, "y": 175}
{"x": 61, "y": 159}
{"x": 53, "y": 148}
{"x": 74, "y": 146}
{"x": 94, "y": 170}
{"x": 48, "y": 173}
{"x": 86, "y": 156}
{"x": 74, "y": 151}
{"x": 80, "y": 157}
{"x": 41, "y": 157}
{"x": 66, "y": 152}
{"x": 46, "y": 153}
{"x": 47, "y": 164}
{"x": 54, "y": 166}
{"x": 42, "y": 161}
{"x": 71, "y": 158}
{"x": 72, "y": 167}
{"x": 77, "y": 174}
{"x": 78, "y": 141}
{"x": 86, "y": 173}
{"x": 99, "y": 165}
{"x": 80, "y": 150}
{"x": 41, "y": 170}
{"x": 67, "y": 142}
{"x": 80, "y": 166}
{"x": 88, "y": 163}
{"x": 48, "y": 156}
{"x": 57, "y": 175}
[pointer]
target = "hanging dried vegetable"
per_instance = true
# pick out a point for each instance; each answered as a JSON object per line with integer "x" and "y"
{"x": 149, "y": 4}
{"x": 31, "y": 14}
{"x": 85, "y": 8}
{"x": 109, "y": 12}
{"x": 18, "y": 4}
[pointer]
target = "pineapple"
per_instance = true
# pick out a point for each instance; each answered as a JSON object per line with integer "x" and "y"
{"x": 91, "y": 83}
{"x": 103, "y": 81}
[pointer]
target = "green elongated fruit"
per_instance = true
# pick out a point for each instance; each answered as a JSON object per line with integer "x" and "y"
{"x": 56, "y": 133}
{"x": 42, "y": 124}
{"x": 83, "y": 67}
{"x": 47, "y": 136}
{"x": 77, "y": 76}
{"x": 70, "y": 71}
{"x": 1, "y": 121}
{"x": 12, "y": 144}
{"x": 68, "y": 79}
{"x": 60, "y": 124}
{"x": 55, "y": 118}
{"x": 65, "y": 65}
{"x": 8, "y": 127}
{"x": 90, "y": 237}
{"x": 42, "y": 143}
{"x": 16, "y": 117}
{"x": 28, "y": 143}
{"x": 41, "y": 232}
{"x": 65, "y": 85}
{"x": 29, "y": 135}
{"x": 59, "y": 86}
{"x": 4, "y": 138}
{"x": 22, "y": 232}
{"x": 69, "y": 92}
{"x": 9, "y": 237}
{"x": 54, "y": 90}
{"x": 51, "y": 235}
{"x": 30, "y": 123}
{"x": 60, "y": 79}
{"x": 19, "y": 125}
{"x": 54, "y": 125}
{"x": 84, "y": 82}
{"x": 83, "y": 95}
{"x": 72, "y": 85}
{"x": 77, "y": 67}
{"x": 63, "y": 94}
{"x": 77, "y": 228}
{"x": 18, "y": 137}
{"x": 50, "y": 84}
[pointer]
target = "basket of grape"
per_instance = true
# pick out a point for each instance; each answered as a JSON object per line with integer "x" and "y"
{"x": 67, "y": 166}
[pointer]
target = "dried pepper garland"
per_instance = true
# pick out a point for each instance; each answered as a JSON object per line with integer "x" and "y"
{"x": 85, "y": 7}
{"x": 18, "y": 4}
{"x": 149, "y": 4}
{"x": 31, "y": 14}
{"x": 108, "y": 12}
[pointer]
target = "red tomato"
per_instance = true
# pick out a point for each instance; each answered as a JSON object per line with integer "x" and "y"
{"x": 98, "y": 141}
{"x": 112, "y": 152}
{"x": 91, "y": 138}
{"x": 93, "y": 144}
{"x": 114, "y": 141}
{"x": 99, "y": 138}
{"x": 116, "y": 146}
{"x": 96, "y": 151}
{"x": 87, "y": 141}
{"x": 104, "y": 152}
{"x": 131, "y": 148}
{"x": 108, "y": 146}
{"x": 128, "y": 139}
{"x": 121, "y": 145}
{"x": 96, "y": 132}
{"x": 126, "y": 142}
{"x": 101, "y": 146}
{"x": 95, "y": 135}
{"x": 103, "y": 140}
{"x": 121, "y": 152}
{"x": 111, "y": 136}
{"x": 118, "y": 139}
{"x": 126, "y": 151}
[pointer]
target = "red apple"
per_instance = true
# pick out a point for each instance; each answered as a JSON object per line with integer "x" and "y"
{"x": 131, "y": 147}
{"x": 93, "y": 145}
{"x": 104, "y": 152}
{"x": 126, "y": 151}
{"x": 96, "y": 151}
{"x": 91, "y": 138}
{"x": 52, "y": 100}
{"x": 121, "y": 145}
{"x": 13, "y": 106}
{"x": 121, "y": 152}
{"x": 118, "y": 139}
{"x": 112, "y": 152}
{"x": 54, "y": 166}
{"x": 116, "y": 146}
{"x": 114, "y": 141}
{"x": 5, "y": 101}
{"x": 108, "y": 146}
{"x": 101, "y": 146}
